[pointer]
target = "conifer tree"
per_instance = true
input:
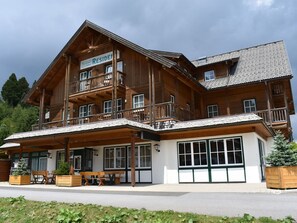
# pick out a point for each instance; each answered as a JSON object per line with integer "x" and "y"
{"x": 282, "y": 153}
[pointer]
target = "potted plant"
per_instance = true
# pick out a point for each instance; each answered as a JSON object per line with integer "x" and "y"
{"x": 20, "y": 175}
{"x": 65, "y": 177}
{"x": 281, "y": 172}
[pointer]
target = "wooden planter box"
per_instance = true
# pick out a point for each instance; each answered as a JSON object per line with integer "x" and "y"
{"x": 283, "y": 177}
{"x": 19, "y": 180}
{"x": 68, "y": 180}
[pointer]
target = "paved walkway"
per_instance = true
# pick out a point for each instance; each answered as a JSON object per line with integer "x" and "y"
{"x": 205, "y": 188}
{"x": 211, "y": 199}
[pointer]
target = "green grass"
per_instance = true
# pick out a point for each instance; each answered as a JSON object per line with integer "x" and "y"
{"x": 21, "y": 210}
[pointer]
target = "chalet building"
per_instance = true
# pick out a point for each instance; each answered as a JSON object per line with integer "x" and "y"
{"x": 108, "y": 104}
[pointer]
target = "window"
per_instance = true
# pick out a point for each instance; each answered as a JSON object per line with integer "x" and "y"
{"x": 192, "y": 153}
{"x": 138, "y": 101}
{"x": 249, "y": 105}
{"x": 115, "y": 158}
{"x": 83, "y": 77}
{"x": 77, "y": 162}
{"x": 172, "y": 99}
{"x": 226, "y": 151}
{"x": 84, "y": 111}
{"x": 209, "y": 75}
{"x": 107, "y": 105}
{"x": 108, "y": 68}
{"x": 143, "y": 157}
{"x": 212, "y": 111}
{"x": 39, "y": 161}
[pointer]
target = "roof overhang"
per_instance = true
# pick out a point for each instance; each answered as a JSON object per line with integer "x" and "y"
{"x": 120, "y": 131}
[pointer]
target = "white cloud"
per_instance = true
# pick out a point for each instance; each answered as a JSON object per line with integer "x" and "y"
{"x": 259, "y": 3}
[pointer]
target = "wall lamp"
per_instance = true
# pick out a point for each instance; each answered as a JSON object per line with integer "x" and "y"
{"x": 49, "y": 155}
{"x": 96, "y": 152}
{"x": 157, "y": 147}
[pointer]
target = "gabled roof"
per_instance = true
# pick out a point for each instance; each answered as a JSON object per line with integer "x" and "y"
{"x": 87, "y": 24}
{"x": 257, "y": 63}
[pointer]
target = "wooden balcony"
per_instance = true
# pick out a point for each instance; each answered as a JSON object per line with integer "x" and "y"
{"x": 163, "y": 112}
{"x": 101, "y": 82}
{"x": 277, "y": 116}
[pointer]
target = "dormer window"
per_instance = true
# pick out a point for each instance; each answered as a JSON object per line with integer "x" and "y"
{"x": 209, "y": 75}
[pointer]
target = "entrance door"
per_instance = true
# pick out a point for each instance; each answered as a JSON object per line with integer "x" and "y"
{"x": 262, "y": 158}
{"x": 83, "y": 159}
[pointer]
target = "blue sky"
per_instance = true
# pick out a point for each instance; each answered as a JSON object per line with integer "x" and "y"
{"x": 34, "y": 31}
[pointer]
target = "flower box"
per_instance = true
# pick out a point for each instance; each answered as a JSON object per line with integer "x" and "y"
{"x": 19, "y": 180}
{"x": 68, "y": 180}
{"x": 281, "y": 177}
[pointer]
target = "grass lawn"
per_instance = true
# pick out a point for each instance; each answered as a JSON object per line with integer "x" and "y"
{"x": 21, "y": 210}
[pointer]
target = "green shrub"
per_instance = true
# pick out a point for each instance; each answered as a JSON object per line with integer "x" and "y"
{"x": 21, "y": 169}
{"x": 63, "y": 169}
{"x": 283, "y": 153}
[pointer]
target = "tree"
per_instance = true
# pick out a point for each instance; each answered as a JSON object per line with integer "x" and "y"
{"x": 10, "y": 91}
{"x": 283, "y": 152}
{"x": 14, "y": 90}
{"x": 23, "y": 88}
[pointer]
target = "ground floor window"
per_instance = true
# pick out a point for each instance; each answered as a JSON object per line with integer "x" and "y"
{"x": 192, "y": 153}
{"x": 115, "y": 158}
{"x": 34, "y": 160}
{"x": 211, "y": 160}
{"x": 226, "y": 151}
{"x": 120, "y": 157}
{"x": 143, "y": 157}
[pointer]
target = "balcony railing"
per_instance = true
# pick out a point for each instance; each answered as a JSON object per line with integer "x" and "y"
{"x": 276, "y": 116}
{"x": 161, "y": 112}
{"x": 96, "y": 82}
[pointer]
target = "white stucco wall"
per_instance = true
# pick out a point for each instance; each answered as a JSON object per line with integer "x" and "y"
{"x": 165, "y": 163}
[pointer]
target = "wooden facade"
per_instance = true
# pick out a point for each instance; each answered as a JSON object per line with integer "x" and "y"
{"x": 99, "y": 76}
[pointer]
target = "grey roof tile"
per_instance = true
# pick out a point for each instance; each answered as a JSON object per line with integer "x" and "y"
{"x": 259, "y": 63}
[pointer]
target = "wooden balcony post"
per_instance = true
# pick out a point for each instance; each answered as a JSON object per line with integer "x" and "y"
{"x": 153, "y": 96}
{"x": 41, "y": 109}
{"x": 287, "y": 110}
{"x": 67, "y": 150}
{"x": 268, "y": 102}
{"x": 66, "y": 90}
{"x": 150, "y": 92}
{"x": 114, "y": 83}
{"x": 132, "y": 160}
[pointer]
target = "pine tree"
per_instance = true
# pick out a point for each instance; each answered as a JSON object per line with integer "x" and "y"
{"x": 282, "y": 153}
{"x": 21, "y": 169}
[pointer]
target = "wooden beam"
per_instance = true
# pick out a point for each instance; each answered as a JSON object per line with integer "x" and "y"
{"x": 67, "y": 150}
{"x": 132, "y": 160}
{"x": 150, "y": 92}
{"x": 41, "y": 109}
{"x": 66, "y": 90}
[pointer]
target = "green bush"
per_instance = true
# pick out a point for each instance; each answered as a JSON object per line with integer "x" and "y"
{"x": 283, "y": 153}
{"x": 21, "y": 169}
{"x": 63, "y": 169}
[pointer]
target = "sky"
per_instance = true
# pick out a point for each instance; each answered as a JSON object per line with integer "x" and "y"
{"x": 33, "y": 32}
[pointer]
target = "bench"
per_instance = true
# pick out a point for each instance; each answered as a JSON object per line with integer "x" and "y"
{"x": 114, "y": 176}
{"x": 99, "y": 176}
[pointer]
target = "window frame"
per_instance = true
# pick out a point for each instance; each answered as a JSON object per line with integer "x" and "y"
{"x": 211, "y": 112}
{"x": 115, "y": 159}
{"x": 250, "y": 108}
{"x": 140, "y": 155}
{"x": 193, "y": 155}
{"x": 119, "y": 106}
{"x": 139, "y": 102}
{"x": 225, "y": 152}
{"x": 209, "y": 75}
